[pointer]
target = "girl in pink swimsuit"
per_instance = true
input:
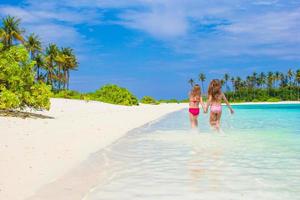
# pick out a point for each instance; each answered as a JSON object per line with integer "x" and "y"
{"x": 194, "y": 110}
{"x": 215, "y": 97}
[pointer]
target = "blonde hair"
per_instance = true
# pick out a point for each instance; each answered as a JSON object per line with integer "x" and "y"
{"x": 214, "y": 89}
{"x": 196, "y": 91}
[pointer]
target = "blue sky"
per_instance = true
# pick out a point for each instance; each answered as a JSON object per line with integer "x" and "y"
{"x": 154, "y": 47}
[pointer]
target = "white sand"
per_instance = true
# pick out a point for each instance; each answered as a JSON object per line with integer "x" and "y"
{"x": 34, "y": 152}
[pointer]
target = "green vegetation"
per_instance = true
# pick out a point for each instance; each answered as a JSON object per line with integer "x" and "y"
{"x": 11, "y": 31}
{"x": 149, "y": 100}
{"x": 28, "y": 74}
{"x": 115, "y": 95}
{"x": 266, "y": 87}
{"x": 108, "y": 93}
{"x": 69, "y": 94}
{"x": 52, "y": 64}
{"x": 271, "y": 87}
{"x": 18, "y": 88}
{"x": 169, "y": 101}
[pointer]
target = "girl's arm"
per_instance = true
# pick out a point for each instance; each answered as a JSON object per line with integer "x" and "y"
{"x": 208, "y": 103}
{"x": 202, "y": 104}
{"x": 227, "y": 103}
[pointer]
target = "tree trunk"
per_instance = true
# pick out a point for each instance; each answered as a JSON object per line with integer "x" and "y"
{"x": 298, "y": 90}
{"x": 68, "y": 79}
{"x": 38, "y": 73}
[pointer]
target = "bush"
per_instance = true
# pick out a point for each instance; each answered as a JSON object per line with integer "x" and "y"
{"x": 18, "y": 88}
{"x": 115, "y": 95}
{"x": 149, "y": 100}
{"x": 185, "y": 101}
{"x": 273, "y": 100}
{"x": 169, "y": 101}
{"x": 68, "y": 94}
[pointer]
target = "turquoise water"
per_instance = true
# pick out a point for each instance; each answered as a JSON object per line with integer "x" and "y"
{"x": 257, "y": 156}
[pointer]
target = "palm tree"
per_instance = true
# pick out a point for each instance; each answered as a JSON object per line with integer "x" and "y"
{"x": 297, "y": 78}
{"x": 270, "y": 79}
{"x": 254, "y": 79}
{"x": 191, "y": 81}
{"x": 276, "y": 78}
{"x": 50, "y": 64}
{"x": 248, "y": 84}
{"x": 11, "y": 31}
{"x": 238, "y": 84}
{"x": 202, "y": 78}
{"x": 72, "y": 65}
{"x": 33, "y": 45}
{"x": 283, "y": 80}
{"x": 290, "y": 75}
{"x": 261, "y": 81}
{"x": 232, "y": 83}
{"x": 39, "y": 63}
{"x": 254, "y": 84}
{"x": 67, "y": 61}
{"x": 226, "y": 78}
{"x": 60, "y": 60}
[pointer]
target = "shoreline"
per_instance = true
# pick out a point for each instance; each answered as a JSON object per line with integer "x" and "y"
{"x": 41, "y": 149}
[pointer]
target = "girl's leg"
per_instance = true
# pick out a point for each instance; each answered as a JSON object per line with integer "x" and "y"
{"x": 196, "y": 120}
{"x": 192, "y": 120}
{"x": 218, "y": 120}
{"x": 212, "y": 119}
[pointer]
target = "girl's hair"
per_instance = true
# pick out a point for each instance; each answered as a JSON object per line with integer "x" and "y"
{"x": 214, "y": 89}
{"x": 196, "y": 91}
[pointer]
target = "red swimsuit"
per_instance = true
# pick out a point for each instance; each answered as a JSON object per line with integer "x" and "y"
{"x": 194, "y": 111}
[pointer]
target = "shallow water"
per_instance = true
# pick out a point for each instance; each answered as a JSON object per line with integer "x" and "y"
{"x": 257, "y": 156}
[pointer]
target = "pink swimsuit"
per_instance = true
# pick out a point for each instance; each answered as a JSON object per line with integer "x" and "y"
{"x": 216, "y": 108}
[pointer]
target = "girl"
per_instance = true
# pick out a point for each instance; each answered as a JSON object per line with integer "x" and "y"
{"x": 194, "y": 110}
{"x": 215, "y": 97}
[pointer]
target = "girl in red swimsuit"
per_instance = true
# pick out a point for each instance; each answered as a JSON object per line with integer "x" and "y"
{"x": 194, "y": 110}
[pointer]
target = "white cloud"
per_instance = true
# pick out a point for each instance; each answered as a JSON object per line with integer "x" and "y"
{"x": 52, "y": 33}
{"x": 18, "y": 12}
{"x": 52, "y": 23}
{"x": 252, "y": 27}
{"x": 158, "y": 23}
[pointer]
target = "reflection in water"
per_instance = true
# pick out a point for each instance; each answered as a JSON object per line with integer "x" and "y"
{"x": 202, "y": 170}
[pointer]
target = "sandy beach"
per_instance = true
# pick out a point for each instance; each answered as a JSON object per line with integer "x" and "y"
{"x": 43, "y": 147}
